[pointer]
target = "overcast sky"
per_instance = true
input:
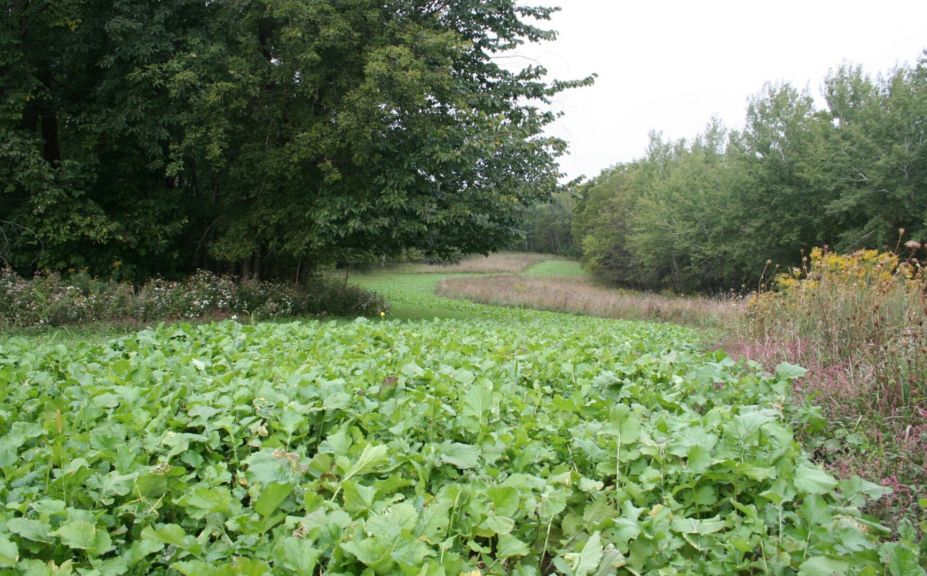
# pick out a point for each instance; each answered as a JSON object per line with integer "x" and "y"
{"x": 670, "y": 65}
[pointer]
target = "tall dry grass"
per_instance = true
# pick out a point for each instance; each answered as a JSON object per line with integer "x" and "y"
{"x": 858, "y": 323}
{"x": 576, "y": 295}
{"x": 498, "y": 263}
{"x": 864, "y": 314}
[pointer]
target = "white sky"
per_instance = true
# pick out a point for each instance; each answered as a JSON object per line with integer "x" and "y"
{"x": 670, "y": 65}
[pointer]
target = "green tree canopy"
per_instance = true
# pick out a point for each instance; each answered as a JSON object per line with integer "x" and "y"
{"x": 266, "y": 135}
{"x": 723, "y": 210}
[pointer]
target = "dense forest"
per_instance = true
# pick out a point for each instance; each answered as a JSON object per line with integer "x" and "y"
{"x": 722, "y": 211}
{"x": 266, "y": 138}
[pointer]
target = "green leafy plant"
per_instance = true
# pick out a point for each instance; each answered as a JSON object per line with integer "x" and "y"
{"x": 524, "y": 444}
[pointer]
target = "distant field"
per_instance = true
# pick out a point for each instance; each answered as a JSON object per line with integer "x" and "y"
{"x": 535, "y": 281}
{"x": 412, "y": 296}
{"x": 566, "y": 293}
{"x": 498, "y": 263}
{"x": 556, "y": 268}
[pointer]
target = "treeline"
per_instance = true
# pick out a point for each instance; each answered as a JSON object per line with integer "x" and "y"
{"x": 265, "y": 138}
{"x": 548, "y": 228}
{"x": 725, "y": 209}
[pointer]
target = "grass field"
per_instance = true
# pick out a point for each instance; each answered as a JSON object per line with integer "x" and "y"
{"x": 549, "y": 268}
{"x": 498, "y": 263}
{"x": 450, "y": 438}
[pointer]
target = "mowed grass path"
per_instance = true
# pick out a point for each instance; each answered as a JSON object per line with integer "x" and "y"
{"x": 547, "y": 268}
{"x": 412, "y": 296}
{"x": 411, "y": 290}
{"x": 531, "y": 283}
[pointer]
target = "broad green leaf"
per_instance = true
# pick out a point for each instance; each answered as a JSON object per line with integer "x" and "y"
{"x": 626, "y": 530}
{"x": 337, "y": 443}
{"x": 48, "y": 507}
{"x": 77, "y": 534}
{"x": 272, "y": 497}
{"x": 627, "y": 422}
{"x": 510, "y": 546}
{"x": 165, "y": 534}
{"x": 434, "y": 520}
{"x": 369, "y": 551}
{"x": 587, "y": 561}
{"x": 822, "y": 566}
{"x": 462, "y": 456}
{"x": 498, "y": 524}
{"x": 270, "y": 466}
{"x": 30, "y": 529}
{"x": 357, "y": 497}
{"x": 210, "y": 499}
{"x": 698, "y": 459}
{"x": 900, "y": 559}
{"x": 589, "y": 485}
{"x": 505, "y": 500}
{"x": 812, "y": 480}
{"x": 612, "y": 559}
{"x": 696, "y": 526}
{"x": 552, "y": 504}
{"x": 296, "y": 555}
{"x": 370, "y": 459}
{"x": 790, "y": 371}
{"x": 477, "y": 402}
{"x": 411, "y": 553}
{"x": 9, "y": 553}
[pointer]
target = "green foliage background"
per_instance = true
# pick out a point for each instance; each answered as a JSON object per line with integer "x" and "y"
{"x": 707, "y": 214}
{"x": 266, "y": 137}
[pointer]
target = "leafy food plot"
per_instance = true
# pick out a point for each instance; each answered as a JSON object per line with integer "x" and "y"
{"x": 535, "y": 444}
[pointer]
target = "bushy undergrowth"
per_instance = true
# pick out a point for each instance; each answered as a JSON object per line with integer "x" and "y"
{"x": 858, "y": 322}
{"x": 52, "y": 300}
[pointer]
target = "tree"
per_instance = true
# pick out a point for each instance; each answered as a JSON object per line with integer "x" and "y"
{"x": 877, "y": 155}
{"x": 601, "y": 225}
{"x": 725, "y": 210}
{"x": 680, "y": 230}
{"x": 269, "y": 136}
{"x": 85, "y": 133}
{"x": 547, "y": 227}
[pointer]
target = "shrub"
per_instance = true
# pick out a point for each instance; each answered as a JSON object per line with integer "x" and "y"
{"x": 858, "y": 322}
{"x": 50, "y": 300}
{"x": 865, "y": 311}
